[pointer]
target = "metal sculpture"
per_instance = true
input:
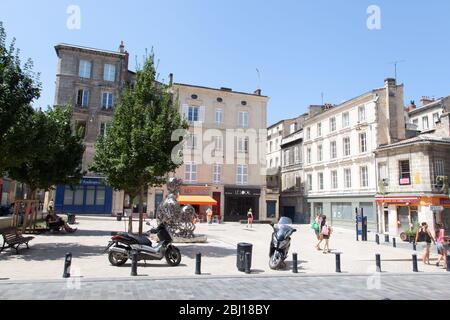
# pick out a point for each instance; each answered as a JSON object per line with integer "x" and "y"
{"x": 179, "y": 221}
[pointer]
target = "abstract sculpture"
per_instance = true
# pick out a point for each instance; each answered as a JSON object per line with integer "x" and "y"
{"x": 179, "y": 221}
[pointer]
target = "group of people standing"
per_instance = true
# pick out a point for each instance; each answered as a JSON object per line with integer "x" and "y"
{"x": 425, "y": 237}
{"x": 323, "y": 232}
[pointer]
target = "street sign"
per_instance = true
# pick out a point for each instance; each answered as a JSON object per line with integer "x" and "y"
{"x": 360, "y": 220}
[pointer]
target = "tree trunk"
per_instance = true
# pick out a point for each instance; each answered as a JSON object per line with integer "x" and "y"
{"x": 141, "y": 212}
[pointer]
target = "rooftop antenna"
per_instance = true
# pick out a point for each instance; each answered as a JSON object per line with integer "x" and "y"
{"x": 322, "y": 97}
{"x": 259, "y": 78}
{"x": 395, "y": 63}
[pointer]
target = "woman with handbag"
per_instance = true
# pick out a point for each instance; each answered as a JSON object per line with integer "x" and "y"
{"x": 425, "y": 237}
{"x": 441, "y": 245}
{"x": 316, "y": 227}
{"x": 325, "y": 232}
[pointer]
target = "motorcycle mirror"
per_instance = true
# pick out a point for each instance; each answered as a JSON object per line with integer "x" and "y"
{"x": 148, "y": 223}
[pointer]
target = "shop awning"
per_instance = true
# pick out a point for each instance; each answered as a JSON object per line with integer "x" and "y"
{"x": 400, "y": 200}
{"x": 197, "y": 200}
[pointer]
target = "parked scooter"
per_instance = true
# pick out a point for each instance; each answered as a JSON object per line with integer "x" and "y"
{"x": 281, "y": 242}
{"x": 122, "y": 246}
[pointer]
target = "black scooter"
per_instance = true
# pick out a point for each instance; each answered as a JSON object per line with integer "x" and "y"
{"x": 281, "y": 243}
{"x": 122, "y": 246}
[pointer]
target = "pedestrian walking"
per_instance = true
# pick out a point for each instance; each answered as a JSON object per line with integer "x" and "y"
{"x": 441, "y": 244}
{"x": 250, "y": 218}
{"x": 316, "y": 227}
{"x": 425, "y": 237}
{"x": 325, "y": 231}
{"x": 209, "y": 214}
{"x": 51, "y": 205}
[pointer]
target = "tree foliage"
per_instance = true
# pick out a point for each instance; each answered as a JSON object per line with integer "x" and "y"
{"x": 58, "y": 156}
{"x": 19, "y": 87}
{"x": 136, "y": 152}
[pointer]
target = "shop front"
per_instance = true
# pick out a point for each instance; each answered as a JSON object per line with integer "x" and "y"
{"x": 201, "y": 198}
{"x": 400, "y": 215}
{"x": 91, "y": 196}
{"x": 238, "y": 201}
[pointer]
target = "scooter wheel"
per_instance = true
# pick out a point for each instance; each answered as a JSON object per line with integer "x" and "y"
{"x": 275, "y": 261}
{"x": 117, "y": 259}
{"x": 173, "y": 256}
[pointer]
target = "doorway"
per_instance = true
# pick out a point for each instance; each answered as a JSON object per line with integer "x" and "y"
{"x": 386, "y": 220}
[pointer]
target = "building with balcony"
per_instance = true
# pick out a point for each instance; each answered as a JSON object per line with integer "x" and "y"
{"x": 413, "y": 178}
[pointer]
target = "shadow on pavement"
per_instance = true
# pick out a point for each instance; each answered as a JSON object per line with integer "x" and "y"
{"x": 53, "y": 251}
{"x": 207, "y": 251}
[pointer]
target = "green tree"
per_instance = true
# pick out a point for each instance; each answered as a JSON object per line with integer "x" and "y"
{"x": 58, "y": 156}
{"x": 19, "y": 87}
{"x": 136, "y": 152}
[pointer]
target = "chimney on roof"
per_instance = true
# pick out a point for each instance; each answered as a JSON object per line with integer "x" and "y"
{"x": 390, "y": 82}
{"x": 122, "y": 47}
{"x": 170, "y": 79}
{"x": 258, "y": 92}
{"x": 426, "y": 100}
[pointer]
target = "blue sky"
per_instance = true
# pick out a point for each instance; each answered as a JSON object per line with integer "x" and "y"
{"x": 302, "y": 48}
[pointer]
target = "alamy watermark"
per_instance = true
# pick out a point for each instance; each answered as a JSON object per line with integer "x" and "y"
{"x": 374, "y": 19}
{"x": 74, "y": 19}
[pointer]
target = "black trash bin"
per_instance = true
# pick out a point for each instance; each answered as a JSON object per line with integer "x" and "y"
{"x": 242, "y": 249}
{"x": 70, "y": 218}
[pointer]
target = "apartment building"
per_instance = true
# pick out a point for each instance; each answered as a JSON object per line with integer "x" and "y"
{"x": 339, "y": 166}
{"x": 428, "y": 116}
{"x": 90, "y": 80}
{"x": 225, "y": 153}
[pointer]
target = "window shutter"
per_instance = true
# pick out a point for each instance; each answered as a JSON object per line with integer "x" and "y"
{"x": 86, "y": 98}
{"x": 201, "y": 116}
{"x": 185, "y": 110}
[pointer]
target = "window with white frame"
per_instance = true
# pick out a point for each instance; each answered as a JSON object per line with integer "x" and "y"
{"x": 333, "y": 124}
{"x": 435, "y": 118}
{"x": 308, "y": 133}
{"x": 333, "y": 150}
{"x": 310, "y": 182}
{"x": 425, "y": 123}
{"x": 104, "y": 127}
{"x": 347, "y": 147}
{"x": 271, "y": 146}
{"x": 191, "y": 142}
{"x": 308, "y": 156}
{"x": 364, "y": 173}
{"x": 320, "y": 180}
{"x": 193, "y": 114}
{"x": 191, "y": 172}
{"x": 363, "y": 142}
{"x": 271, "y": 163}
{"x": 297, "y": 155}
{"x": 287, "y": 155}
{"x": 348, "y": 178}
{"x": 219, "y": 116}
{"x": 383, "y": 171}
{"x": 334, "y": 179}
{"x": 319, "y": 129}
{"x": 217, "y": 174}
{"x": 293, "y": 128}
{"x": 218, "y": 143}
{"x": 242, "y": 175}
{"x": 345, "y": 120}
{"x": 85, "y": 69}
{"x": 416, "y": 122}
{"x": 319, "y": 153}
{"x": 243, "y": 119}
{"x": 107, "y": 100}
{"x": 109, "y": 72}
{"x": 83, "y": 98}
{"x": 362, "y": 113}
{"x": 243, "y": 145}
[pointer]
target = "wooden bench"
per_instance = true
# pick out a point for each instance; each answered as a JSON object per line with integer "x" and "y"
{"x": 13, "y": 239}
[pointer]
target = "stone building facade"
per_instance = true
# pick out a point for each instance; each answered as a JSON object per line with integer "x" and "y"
{"x": 90, "y": 80}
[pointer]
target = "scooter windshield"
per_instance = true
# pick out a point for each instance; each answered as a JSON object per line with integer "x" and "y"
{"x": 284, "y": 231}
{"x": 285, "y": 220}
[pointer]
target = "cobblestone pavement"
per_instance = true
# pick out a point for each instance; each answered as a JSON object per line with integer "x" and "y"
{"x": 301, "y": 287}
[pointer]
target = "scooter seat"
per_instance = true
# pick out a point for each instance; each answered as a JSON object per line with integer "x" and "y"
{"x": 142, "y": 240}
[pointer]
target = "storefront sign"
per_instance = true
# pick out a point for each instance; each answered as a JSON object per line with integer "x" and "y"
{"x": 243, "y": 192}
{"x": 195, "y": 191}
{"x": 405, "y": 182}
{"x": 437, "y": 208}
{"x": 445, "y": 202}
{"x": 91, "y": 182}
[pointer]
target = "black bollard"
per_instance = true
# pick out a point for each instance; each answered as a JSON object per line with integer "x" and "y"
{"x": 198, "y": 264}
{"x": 67, "y": 264}
{"x": 414, "y": 246}
{"x": 394, "y": 242}
{"x": 386, "y": 238}
{"x": 248, "y": 263}
{"x": 295, "y": 263}
{"x": 415, "y": 266}
{"x": 448, "y": 263}
{"x": 378, "y": 261}
{"x": 338, "y": 263}
{"x": 134, "y": 261}
{"x": 377, "y": 239}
